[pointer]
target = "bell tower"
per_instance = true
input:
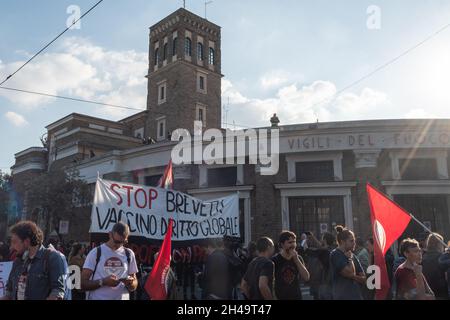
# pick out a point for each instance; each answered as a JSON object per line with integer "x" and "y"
{"x": 184, "y": 78}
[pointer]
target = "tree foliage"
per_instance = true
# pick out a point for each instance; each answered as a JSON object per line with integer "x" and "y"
{"x": 56, "y": 195}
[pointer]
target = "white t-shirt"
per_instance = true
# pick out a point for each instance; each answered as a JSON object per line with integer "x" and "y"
{"x": 111, "y": 262}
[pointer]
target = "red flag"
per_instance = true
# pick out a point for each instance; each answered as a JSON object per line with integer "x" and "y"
{"x": 389, "y": 221}
{"x": 166, "y": 180}
{"x": 156, "y": 285}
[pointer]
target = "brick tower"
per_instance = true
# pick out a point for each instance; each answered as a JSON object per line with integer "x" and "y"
{"x": 184, "y": 79}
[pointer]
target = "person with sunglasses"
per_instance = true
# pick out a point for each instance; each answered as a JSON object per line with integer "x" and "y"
{"x": 109, "y": 272}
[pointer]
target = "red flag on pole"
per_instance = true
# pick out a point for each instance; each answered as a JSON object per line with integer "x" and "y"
{"x": 156, "y": 285}
{"x": 166, "y": 180}
{"x": 389, "y": 221}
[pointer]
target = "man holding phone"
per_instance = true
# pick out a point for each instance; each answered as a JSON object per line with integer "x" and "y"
{"x": 109, "y": 272}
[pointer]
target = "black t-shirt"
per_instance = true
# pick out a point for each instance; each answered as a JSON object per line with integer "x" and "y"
{"x": 216, "y": 275}
{"x": 435, "y": 274}
{"x": 287, "y": 282}
{"x": 344, "y": 288}
{"x": 260, "y": 266}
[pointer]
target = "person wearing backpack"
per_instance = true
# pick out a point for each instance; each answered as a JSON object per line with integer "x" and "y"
{"x": 109, "y": 272}
{"x": 323, "y": 254}
{"x": 38, "y": 273}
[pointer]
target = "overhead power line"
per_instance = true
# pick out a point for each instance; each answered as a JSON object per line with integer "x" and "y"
{"x": 70, "y": 98}
{"x": 50, "y": 43}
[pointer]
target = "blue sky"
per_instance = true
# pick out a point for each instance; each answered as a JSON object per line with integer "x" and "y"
{"x": 289, "y": 57}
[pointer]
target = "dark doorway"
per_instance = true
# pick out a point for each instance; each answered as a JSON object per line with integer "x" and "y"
{"x": 432, "y": 210}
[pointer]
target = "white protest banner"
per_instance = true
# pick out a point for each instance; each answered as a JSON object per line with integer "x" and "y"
{"x": 147, "y": 211}
{"x": 5, "y": 269}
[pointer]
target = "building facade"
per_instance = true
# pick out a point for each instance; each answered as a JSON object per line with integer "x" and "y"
{"x": 323, "y": 167}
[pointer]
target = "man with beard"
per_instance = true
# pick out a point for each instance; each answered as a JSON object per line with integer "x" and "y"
{"x": 347, "y": 274}
{"x": 289, "y": 268}
{"x": 38, "y": 273}
{"x": 257, "y": 282}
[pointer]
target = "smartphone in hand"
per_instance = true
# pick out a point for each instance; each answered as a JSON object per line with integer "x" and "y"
{"x": 125, "y": 279}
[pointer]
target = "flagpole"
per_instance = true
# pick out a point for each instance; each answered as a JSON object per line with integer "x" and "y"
{"x": 426, "y": 228}
{"x": 412, "y": 217}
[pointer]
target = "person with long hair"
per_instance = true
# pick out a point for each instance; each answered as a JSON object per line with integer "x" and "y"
{"x": 347, "y": 274}
{"x": 38, "y": 273}
{"x": 432, "y": 270}
{"x": 77, "y": 258}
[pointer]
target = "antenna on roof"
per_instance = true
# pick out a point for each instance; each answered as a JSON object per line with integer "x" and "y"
{"x": 206, "y": 4}
{"x": 225, "y": 109}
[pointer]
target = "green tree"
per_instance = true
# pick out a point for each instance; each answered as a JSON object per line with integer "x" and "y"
{"x": 5, "y": 185}
{"x": 57, "y": 195}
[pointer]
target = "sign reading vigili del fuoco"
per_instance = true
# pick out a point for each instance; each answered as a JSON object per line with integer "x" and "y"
{"x": 375, "y": 140}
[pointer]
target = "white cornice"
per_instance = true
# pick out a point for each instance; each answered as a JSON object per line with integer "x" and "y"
{"x": 97, "y": 132}
{"x": 410, "y": 187}
{"x": 345, "y": 184}
{"x": 60, "y": 122}
{"x": 422, "y": 183}
{"x": 84, "y": 118}
{"x": 30, "y": 150}
{"x": 220, "y": 189}
{"x": 27, "y": 167}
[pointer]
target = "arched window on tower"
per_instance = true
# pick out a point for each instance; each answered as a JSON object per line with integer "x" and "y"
{"x": 211, "y": 56}
{"x": 156, "y": 58}
{"x": 174, "y": 46}
{"x": 199, "y": 51}
{"x": 165, "y": 52}
{"x": 188, "y": 46}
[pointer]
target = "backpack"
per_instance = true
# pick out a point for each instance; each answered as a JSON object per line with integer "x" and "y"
{"x": 97, "y": 260}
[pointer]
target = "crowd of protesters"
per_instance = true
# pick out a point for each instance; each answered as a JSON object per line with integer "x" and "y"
{"x": 336, "y": 267}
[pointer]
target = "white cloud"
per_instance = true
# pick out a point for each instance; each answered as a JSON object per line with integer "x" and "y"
{"x": 420, "y": 113}
{"x": 16, "y": 119}
{"x": 230, "y": 92}
{"x": 358, "y": 105}
{"x": 81, "y": 69}
{"x": 274, "y": 79}
{"x": 294, "y": 104}
{"x": 122, "y": 97}
{"x": 277, "y": 78}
